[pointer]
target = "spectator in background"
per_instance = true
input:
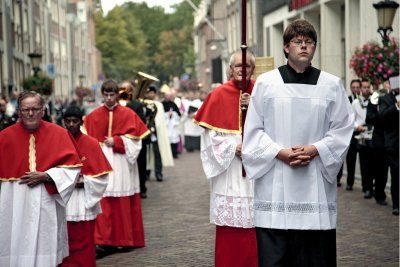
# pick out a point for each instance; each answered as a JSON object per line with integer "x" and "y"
{"x": 5, "y": 120}
{"x": 364, "y": 138}
{"x": 161, "y": 155}
{"x": 192, "y": 131}
{"x": 389, "y": 106}
{"x": 380, "y": 162}
{"x": 351, "y": 157}
{"x": 172, "y": 118}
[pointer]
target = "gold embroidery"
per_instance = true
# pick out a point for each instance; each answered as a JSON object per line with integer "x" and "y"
{"x": 32, "y": 153}
{"x": 110, "y": 119}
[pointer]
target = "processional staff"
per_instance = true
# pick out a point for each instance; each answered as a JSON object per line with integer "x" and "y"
{"x": 244, "y": 69}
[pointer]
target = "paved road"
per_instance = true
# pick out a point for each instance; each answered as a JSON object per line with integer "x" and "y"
{"x": 178, "y": 232}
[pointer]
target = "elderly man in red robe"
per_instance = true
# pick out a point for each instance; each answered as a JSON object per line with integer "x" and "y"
{"x": 39, "y": 166}
{"x": 119, "y": 130}
{"x": 231, "y": 195}
{"x": 84, "y": 204}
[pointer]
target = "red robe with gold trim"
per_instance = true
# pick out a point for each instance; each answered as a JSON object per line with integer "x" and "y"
{"x": 221, "y": 109}
{"x": 231, "y": 195}
{"x": 33, "y": 228}
{"x": 120, "y": 223}
{"x": 84, "y": 204}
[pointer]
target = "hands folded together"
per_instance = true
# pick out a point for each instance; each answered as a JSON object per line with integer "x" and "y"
{"x": 298, "y": 156}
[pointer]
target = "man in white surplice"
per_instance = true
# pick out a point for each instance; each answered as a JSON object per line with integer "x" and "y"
{"x": 297, "y": 133}
{"x": 231, "y": 196}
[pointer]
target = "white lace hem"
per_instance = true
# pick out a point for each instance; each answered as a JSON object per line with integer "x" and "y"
{"x": 232, "y": 211}
{"x": 121, "y": 193}
{"x": 78, "y": 218}
{"x": 295, "y": 207}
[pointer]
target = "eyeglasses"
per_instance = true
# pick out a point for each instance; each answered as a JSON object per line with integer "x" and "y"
{"x": 26, "y": 111}
{"x": 239, "y": 66}
{"x": 299, "y": 43}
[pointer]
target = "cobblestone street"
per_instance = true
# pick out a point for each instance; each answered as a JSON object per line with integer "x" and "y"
{"x": 178, "y": 232}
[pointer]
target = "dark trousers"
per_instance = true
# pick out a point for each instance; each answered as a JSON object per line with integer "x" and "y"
{"x": 366, "y": 167}
{"x": 142, "y": 167}
{"x": 296, "y": 248}
{"x": 393, "y": 158}
{"x": 351, "y": 159}
{"x": 174, "y": 148}
{"x": 339, "y": 175}
{"x": 380, "y": 174}
{"x": 157, "y": 158}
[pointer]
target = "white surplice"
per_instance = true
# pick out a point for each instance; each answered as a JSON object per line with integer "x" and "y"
{"x": 189, "y": 127}
{"x": 285, "y": 115}
{"x": 231, "y": 197}
{"x": 84, "y": 204}
{"x": 124, "y": 179}
{"x": 37, "y": 235}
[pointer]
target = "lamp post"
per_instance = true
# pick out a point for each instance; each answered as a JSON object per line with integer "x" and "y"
{"x": 81, "y": 78}
{"x": 386, "y": 10}
{"x": 36, "y": 59}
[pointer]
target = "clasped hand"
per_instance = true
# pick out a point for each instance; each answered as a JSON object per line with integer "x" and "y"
{"x": 109, "y": 141}
{"x": 298, "y": 156}
{"x": 32, "y": 179}
{"x": 244, "y": 100}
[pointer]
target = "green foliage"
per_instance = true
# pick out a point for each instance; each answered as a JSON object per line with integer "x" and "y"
{"x": 122, "y": 45}
{"x": 41, "y": 84}
{"x": 135, "y": 37}
{"x": 376, "y": 63}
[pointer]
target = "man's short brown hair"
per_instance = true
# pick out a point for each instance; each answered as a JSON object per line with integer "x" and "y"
{"x": 109, "y": 86}
{"x": 299, "y": 27}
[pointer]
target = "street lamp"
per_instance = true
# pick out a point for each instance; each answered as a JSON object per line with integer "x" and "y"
{"x": 81, "y": 78}
{"x": 386, "y": 11}
{"x": 36, "y": 59}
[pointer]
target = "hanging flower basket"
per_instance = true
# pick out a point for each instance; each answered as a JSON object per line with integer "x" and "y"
{"x": 376, "y": 63}
{"x": 41, "y": 84}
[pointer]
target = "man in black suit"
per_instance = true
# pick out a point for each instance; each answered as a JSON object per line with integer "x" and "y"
{"x": 378, "y": 153}
{"x": 389, "y": 105}
{"x": 126, "y": 90}
{"x": 351, "y": 157}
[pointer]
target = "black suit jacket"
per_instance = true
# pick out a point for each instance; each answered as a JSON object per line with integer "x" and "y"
{"x": 390, "y": 116}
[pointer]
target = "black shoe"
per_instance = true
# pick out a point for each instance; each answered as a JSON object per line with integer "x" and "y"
{"x": 143, "y": 195}
{"x": 339, "y": 184}
{"x": 104, "y": 250}
{"x": 381, "y": 202}
{"x": 349, "y": 188}
{"x": 395, "y": 211}
{"x": 159, "y": 177}
{"x": 367, "y": 194}
{"x": 124, "y": 249}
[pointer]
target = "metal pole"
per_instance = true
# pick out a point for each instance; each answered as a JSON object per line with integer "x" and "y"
{"x": 244, "y": 68}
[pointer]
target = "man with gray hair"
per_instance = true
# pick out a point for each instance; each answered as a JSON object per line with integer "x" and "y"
{"x": 39, "y": 166}
{"x": 231, "y": 198}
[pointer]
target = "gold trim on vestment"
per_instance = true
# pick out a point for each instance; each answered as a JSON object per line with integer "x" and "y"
{"x": 32, "y": 153}
{"x": 138, "y": 137}
{"x": 221, "y": 130}
{"x": 60, "y": 166}
{"x": 70, "y": 166}
{"x": 110, "y": 119}
{"x": 240, "y": 113}
{"x": 97, "y": 175}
